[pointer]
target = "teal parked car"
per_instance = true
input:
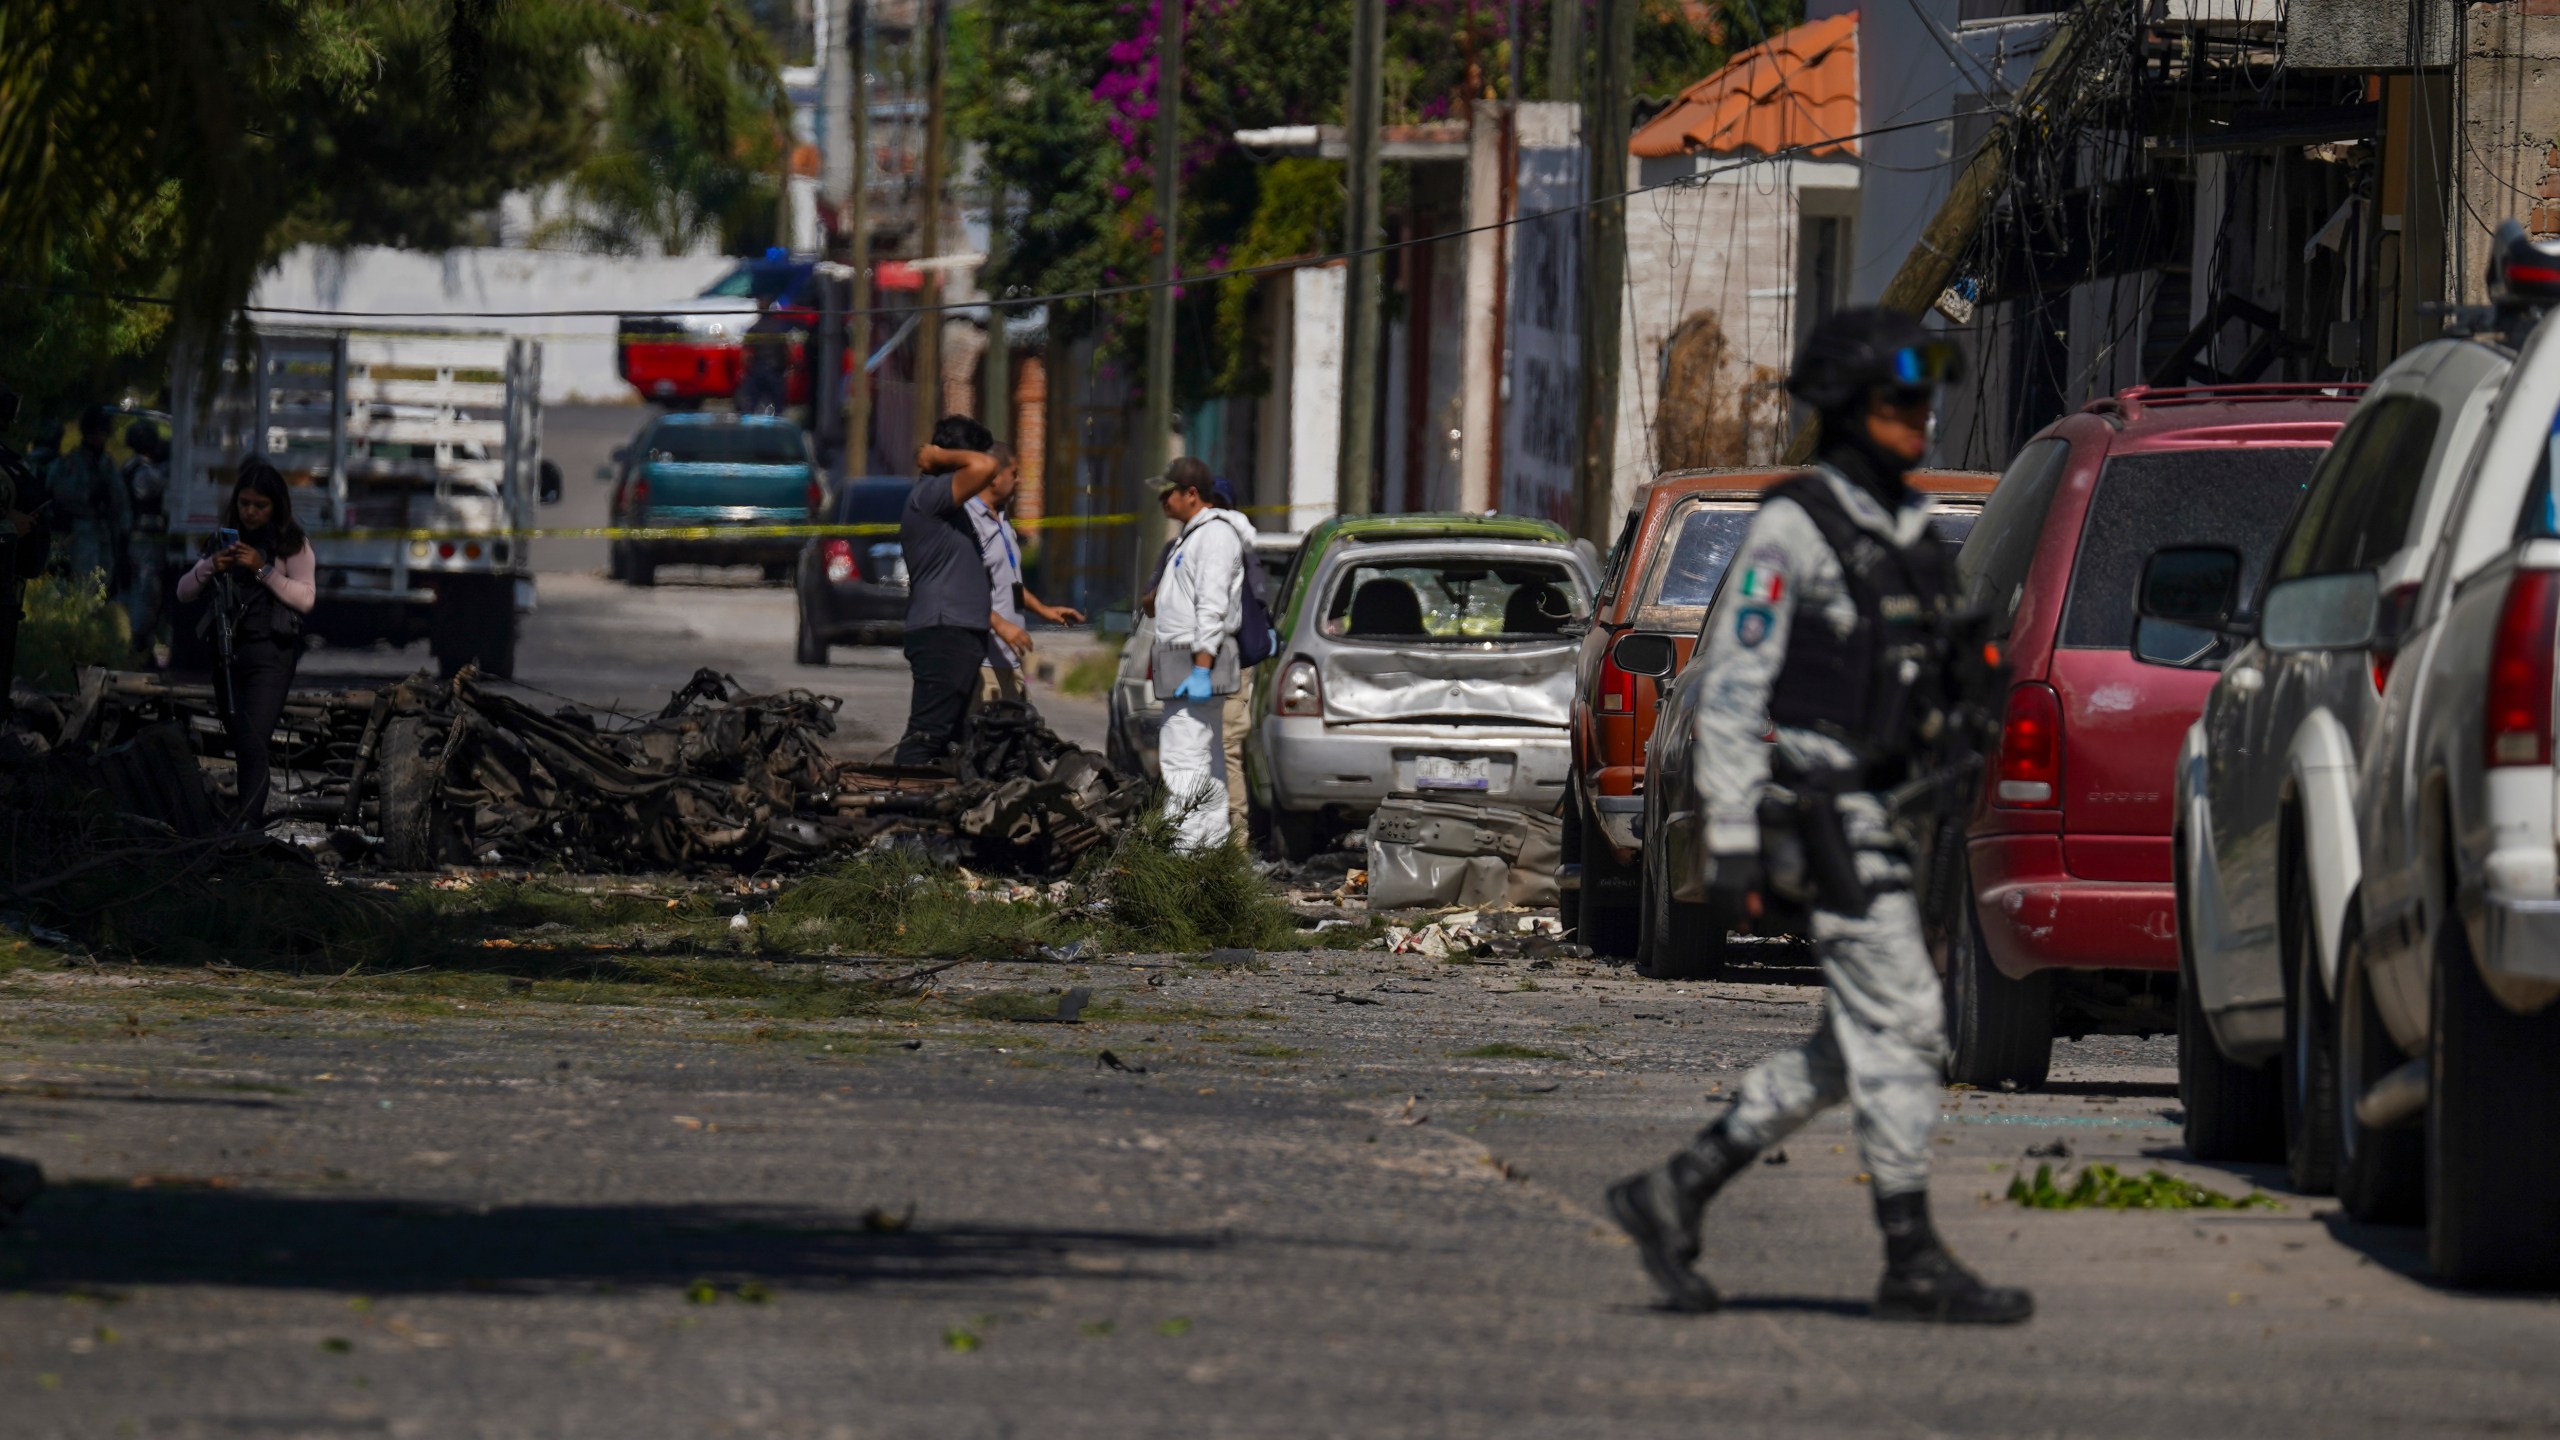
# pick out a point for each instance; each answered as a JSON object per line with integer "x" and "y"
{"x": 724, "y": 477}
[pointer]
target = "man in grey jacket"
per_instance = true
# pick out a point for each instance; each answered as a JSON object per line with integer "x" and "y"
{"x": 1825, "y": 637}
{"x": 1199, "y": 607}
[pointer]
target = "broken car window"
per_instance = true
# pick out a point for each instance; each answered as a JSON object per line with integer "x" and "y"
{"x": 1452, "y": 599}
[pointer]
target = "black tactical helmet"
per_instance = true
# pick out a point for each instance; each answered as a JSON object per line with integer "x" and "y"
{"x": 1852, "y": 353}
{"x": 8, "y": 407}
{"x": 97, "y": 418}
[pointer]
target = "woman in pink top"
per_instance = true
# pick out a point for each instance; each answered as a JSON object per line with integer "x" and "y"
{"x": 262, "y": 586}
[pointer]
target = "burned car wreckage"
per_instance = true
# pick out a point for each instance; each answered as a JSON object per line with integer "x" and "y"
{"x": 428, "y": 772}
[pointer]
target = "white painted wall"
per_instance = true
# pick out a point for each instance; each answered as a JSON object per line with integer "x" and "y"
{"x": 462, "y": 289}
{"x": 1726, "y": 244}
{"x": 1314, "y": 381}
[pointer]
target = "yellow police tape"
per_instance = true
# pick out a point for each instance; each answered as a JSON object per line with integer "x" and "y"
{"x": 725, "y": 532}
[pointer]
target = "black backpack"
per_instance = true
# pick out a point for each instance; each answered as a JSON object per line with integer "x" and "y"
{"x": 1257, "y": 639}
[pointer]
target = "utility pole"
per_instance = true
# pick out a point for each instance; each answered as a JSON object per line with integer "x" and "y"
{"x": 929, "y": 230}
{"x": 1564, "y": 50}
{"x": 857, "y": 224}
{"x": 1604, "y": 268}
{"x": 1360, "y": 321}
{"x": 1931, "y": 265}
{"x": 1155, "y": 448}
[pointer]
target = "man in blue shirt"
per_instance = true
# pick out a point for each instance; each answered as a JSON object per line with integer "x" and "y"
{"x": 947, "y": 613}
{"x": 1009, "y": 644}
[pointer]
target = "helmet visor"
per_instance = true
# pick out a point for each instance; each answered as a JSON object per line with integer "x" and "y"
{"x": 1930, "y": 364}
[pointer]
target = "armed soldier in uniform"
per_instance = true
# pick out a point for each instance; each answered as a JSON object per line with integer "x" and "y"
{"x": 1838, "y": 633}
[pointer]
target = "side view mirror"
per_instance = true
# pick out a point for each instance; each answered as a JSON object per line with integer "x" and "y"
{"x": 1642, "y": 654}
{"x": 2322, "y": 612}
{"x": 621, "y": 453}
{"x": 2191, "y": 585}
{"x": 549, "y": 487}
{"x": 605, "y": 473}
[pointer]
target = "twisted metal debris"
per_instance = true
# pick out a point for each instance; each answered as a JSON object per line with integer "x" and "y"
{"x": 432, "y": 772}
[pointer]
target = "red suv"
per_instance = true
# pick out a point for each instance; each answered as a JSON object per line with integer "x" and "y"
{"x": 2074, "y": 903}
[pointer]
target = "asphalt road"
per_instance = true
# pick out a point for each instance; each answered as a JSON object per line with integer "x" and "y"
{"x": 603, "y": 643}
{"x": 1314, "y": 1202}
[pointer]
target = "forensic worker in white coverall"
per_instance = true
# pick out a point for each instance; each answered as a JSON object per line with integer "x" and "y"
{"x": 1822, "y": 638}
{"x": 1199, "y": 608}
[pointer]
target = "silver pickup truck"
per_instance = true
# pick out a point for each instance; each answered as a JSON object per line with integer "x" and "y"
{"x": 2264, "y": 835}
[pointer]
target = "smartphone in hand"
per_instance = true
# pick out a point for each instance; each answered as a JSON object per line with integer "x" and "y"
{"x": 224, "y": 539}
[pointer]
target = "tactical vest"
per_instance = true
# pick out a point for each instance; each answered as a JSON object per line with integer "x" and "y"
{"x": 1858, "y": 686}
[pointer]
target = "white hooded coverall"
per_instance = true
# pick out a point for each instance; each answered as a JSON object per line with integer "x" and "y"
{"x": 1199, "y": 607}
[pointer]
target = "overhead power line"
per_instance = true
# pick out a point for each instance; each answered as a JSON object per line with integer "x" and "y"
{"x": 1793, "y": 152}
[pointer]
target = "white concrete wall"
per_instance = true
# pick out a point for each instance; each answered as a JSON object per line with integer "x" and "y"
{"x": 471, "y": 289}
{"x": 1314, "y": 384}
{"x": 1726, "y": 244}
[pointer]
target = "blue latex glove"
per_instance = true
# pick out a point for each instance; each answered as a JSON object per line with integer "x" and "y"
{"x": 1194, "y": 686}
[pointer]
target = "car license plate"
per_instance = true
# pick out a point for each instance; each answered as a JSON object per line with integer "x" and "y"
{"x": 1448, "y": 772}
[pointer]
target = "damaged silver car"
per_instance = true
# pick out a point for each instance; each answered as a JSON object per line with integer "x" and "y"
{"x": 1432, "y": 666}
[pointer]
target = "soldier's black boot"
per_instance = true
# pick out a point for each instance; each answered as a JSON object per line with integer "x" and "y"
{"x": 1923, "y": 1282}
{"x": 1659, "y": 1210}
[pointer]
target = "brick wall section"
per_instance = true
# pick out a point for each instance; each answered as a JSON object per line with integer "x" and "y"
{"x": 2545, "y": 219}
{"x": 2509, "y": 164}
{"x": 1031, "y": 433}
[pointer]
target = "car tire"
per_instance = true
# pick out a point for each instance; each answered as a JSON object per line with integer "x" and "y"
{"x": 2493, "y": 1106}
{"x": 1999, "y": 1030}
{"x": 1611, "y": 918}
{"x": 2310, "y": 1067}
{"x": 640, "y": 568}
{"x": 1297, "y": 833}
{"x": 777, "y": 574}
{"x": 806, "y": 647}
{"x": 2234, "y": 1111}
{"x": 1673, "y": 939}
{"x": 617, "y": 565}
{"x": 2382, "y": 1174}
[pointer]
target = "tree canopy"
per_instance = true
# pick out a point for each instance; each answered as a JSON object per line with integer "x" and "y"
{"x": 1061, "y": 96}
{"x": 177, "y": 147}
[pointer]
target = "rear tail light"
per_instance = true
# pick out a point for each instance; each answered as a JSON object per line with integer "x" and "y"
{"x": 839, "y": 557}
{"x": 2030, "y": 774}
{"x": 1301, "y": 693}
{"x": 817, "y": 497}
{"x": 2518, "y": 716}
{"x": 639, "y": 495}
{"x": 2392, "y": 618}
{"x": 1617, "y": 688}
{"x": 444, "y": 549}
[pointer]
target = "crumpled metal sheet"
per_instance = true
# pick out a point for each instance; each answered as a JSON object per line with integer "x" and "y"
{"x": 1514, "y": 684}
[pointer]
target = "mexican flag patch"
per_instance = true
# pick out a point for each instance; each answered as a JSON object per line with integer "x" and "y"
{"x": 1761, "y": 583}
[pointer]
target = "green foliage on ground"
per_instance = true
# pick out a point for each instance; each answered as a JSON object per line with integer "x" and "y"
{"x": 1164, "y": 899}
{"x": 67, "y": 624}
{"x": 2101, "y": 1186}
{"x": 1091, "y": 675}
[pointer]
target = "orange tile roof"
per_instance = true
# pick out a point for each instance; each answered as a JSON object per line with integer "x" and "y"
{"x": 1799, "y": 88}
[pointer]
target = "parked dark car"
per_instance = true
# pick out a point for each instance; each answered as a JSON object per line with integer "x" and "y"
{"x": 728, "y": 479}
{"x": 853, "y": 588}
{"x": 1673, "y": 941}
{"x": 1679, "y": 537}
